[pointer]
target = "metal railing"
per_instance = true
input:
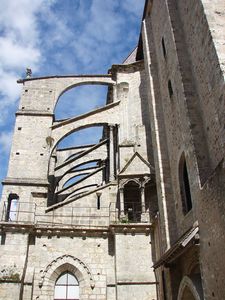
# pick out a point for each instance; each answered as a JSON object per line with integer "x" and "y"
{"x": 82, "y": 216}
{"x": 31, "y": 213}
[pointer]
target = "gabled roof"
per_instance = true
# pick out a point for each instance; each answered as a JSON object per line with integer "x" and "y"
{"x": 138, "y": 166}
{"x": 131, "y": 58}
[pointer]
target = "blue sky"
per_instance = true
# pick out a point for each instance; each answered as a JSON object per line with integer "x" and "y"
{"x": 61, "y": 37}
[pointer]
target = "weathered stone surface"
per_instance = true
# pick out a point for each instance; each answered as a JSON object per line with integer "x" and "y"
{"x": 153, "y": 192}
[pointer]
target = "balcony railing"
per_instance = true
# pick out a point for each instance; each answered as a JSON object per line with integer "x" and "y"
{"x": 82, "y": 216}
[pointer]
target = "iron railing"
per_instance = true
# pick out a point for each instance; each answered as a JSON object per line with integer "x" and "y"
{"x": 88, "y": 216}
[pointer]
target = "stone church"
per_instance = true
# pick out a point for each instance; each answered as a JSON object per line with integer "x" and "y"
{"x": 139, "y": 215}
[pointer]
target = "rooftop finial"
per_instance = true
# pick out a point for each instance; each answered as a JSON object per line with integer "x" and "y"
{"x": 28, "y": 72}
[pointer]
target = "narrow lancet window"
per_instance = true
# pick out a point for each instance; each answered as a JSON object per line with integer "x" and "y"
{"x": 185, "y": 186}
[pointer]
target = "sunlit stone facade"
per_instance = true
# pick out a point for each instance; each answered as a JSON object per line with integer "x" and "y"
{"x": 140, "y": 213}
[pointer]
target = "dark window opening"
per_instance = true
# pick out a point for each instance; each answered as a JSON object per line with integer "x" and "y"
{"x": 98, "y": 200}
{"x": 132, "y": 202}
{"x": 163, "y": 48}
{"x": 3, "y": 238}
{"x": 185, "y": 186}
{"x": 12, "y": 207}
{"x": 164, "y": 285}
{"x": 170, "y": 88}
{"x": 32, "y": 239}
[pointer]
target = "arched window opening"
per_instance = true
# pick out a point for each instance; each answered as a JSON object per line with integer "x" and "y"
{"x": 185, "y": 186}
{"x": 86, "y": 136}
{"x": 66, "y": 287}
{"x": 132, "y": 201}
{"x": 80, "y": 100}
{"x": 12, "y": 208}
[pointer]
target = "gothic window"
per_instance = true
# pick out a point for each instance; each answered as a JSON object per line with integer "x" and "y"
{"x": 66, "y": 287}
{"x": 185, "y": 186}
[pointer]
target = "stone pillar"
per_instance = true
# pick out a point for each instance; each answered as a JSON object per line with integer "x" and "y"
{"x": 111, "y": 153}
{"x": 121, "y": 202}
{"x": 144, "y": 214}
{"x": 143, "y": 209}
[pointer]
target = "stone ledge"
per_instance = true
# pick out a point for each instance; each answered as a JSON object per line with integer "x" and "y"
{"x": 63, "y": 76}
{"x": 132, "y": 228}
{"x": 25, "y": 181}
{"x": 51, "y": 230}
{"x": 28, "y": 112}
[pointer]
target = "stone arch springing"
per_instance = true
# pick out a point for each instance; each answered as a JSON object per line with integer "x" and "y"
{"x": 189, "y": 290}
{"x": 57, "y": 172}
{"x": 56, "y": 142}
{"x": 74, "y": 169}
{"x": 79, "y": 129}
{"x": 63, "y": 264}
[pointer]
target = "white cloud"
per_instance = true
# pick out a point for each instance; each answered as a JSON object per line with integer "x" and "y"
{"x": 19, "y": 46}
{"x": 16, "y": 56}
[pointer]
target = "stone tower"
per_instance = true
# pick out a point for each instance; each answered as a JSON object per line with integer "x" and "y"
{"x": 145, "y": 217}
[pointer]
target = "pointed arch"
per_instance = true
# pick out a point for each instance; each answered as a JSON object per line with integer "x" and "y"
{"x": 62, "y": 264}
{"x": 190, "y": 289}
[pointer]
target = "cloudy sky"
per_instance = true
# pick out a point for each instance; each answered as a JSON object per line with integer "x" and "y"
{"x": 61, "y": 37}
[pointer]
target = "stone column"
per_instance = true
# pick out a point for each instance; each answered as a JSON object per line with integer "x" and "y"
{"x": 121, "y": 202}
{"x": 143, "y": 209}
{"x": 111, "y": 153}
